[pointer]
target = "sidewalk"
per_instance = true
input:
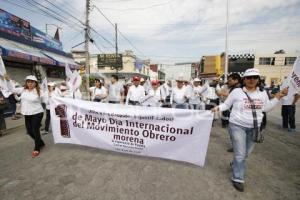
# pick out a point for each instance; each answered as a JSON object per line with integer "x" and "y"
{"x": 12, "y": 125}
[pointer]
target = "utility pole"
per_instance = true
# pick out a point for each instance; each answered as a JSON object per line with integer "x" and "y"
{"x": 86, "y": 46}
{"x": 226, "y": 44}
{"x": 117, "y": 64}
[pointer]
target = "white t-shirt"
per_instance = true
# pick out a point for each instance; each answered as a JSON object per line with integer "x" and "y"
{"x": 135, "y": 93}
{"x": 97, "y": 91}
{"x": 114, "y": 91}
{"x": 288, "y": 99}
{"x": 31, "y": 103}
{"x": 178, "y": 95}
{"x": 195, "y": 97}
{"x": 241, "y": 113}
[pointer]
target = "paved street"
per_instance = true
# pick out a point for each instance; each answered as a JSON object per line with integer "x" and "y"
{"x": 64, "y": 172}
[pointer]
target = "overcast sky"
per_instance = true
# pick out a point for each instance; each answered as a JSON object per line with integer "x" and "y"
{"x": 169, "y": 31}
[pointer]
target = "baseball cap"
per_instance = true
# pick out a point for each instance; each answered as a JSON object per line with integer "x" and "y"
{"x": 136, "y": 78}
{"x": 31, "y": 77}
{"x": 251, "y": 72}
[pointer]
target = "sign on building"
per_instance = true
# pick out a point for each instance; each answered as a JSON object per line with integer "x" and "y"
{"x": 110, "y": 60}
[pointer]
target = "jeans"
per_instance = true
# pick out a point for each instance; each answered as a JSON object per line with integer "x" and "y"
{"x": 32, "y": 123}
{"x": 288, "y": 116}
{"x": 241, "y": 139}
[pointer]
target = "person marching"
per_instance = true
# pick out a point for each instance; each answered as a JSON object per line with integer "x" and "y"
{"x": 115, "y": 91}
{"x": 31, "y": 107}
{"x": 98, "y": 92}
{"x": 135, "y": 93}
{"x": 248, "y": 104}
{"x": 195, "y": 102}
{"x": 179, "y": 96}
{"x": 155, "y": 93}
{"x": 51, "y": 89}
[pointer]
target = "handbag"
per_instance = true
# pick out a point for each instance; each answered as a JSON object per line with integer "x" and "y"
{"x": 257, "y": 136}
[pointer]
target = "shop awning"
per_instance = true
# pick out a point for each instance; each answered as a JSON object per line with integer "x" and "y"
{"x": 13, "y": 49}
{"x": 17, "y": 50}
{"x": 62, "y": 60}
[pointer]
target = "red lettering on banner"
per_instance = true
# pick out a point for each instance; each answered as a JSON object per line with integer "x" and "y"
{"x": 296, "y": 79}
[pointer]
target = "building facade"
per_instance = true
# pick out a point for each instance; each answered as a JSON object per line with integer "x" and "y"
{"x": 26, "y": 50}
{"x": 274, "y": 67}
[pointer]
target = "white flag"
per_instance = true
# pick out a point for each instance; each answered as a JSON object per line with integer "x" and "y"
{"x": 68, "y": 71}
{"x": 74, "y": 81}
{"x": 2, "y": 67}
{"x": 293, "y": 80}
{"x": 44, "y": 84}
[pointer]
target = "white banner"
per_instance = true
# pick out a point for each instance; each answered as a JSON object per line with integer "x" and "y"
{"x": 174, "y": 134}
{"x": 294, "y": 78}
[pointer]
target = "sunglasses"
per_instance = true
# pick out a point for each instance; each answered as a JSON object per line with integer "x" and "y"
{"x": 252, "y": 77}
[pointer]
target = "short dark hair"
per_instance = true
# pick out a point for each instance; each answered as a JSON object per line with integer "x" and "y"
{"x": 235, "y": 76}
{"x": 115, "y": 77}
{"x": 97, "y": 79}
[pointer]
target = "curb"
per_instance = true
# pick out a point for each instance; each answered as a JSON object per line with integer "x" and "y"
{"x": 10, "y": 130}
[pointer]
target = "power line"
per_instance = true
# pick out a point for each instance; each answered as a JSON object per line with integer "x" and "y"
{"x": 138, "y": 9}
{"x": 118, "y": 30}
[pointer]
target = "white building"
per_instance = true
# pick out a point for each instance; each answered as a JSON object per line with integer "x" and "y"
{"x": 274, "y": 67}
{"x": 180, "y": 69}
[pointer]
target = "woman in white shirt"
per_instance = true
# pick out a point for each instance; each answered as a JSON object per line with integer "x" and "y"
{"x": 31, "y": 107}
{"x": 98, "y": 92}
{"x": 242, "y": 123}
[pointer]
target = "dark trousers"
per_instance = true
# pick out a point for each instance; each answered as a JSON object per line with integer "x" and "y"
{"x": 32, "y": 123}
{"x": 2, "y": 120}
{"x": 47, "y": 121}
{"x": 134, "y": 103}
{"x": 288, "y": 116}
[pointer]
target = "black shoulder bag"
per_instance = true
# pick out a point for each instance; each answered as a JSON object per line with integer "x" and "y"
{"x": 257, "y": 136}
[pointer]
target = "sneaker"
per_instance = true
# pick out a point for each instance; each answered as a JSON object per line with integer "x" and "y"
{"x": 230, "y": 150}
{"x": 291, "y": 130}
{"x": 238, "y": 186}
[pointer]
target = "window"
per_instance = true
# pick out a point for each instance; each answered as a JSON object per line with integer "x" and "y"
{"x": 289, "y": 60}
{"x": 266, "y": 61}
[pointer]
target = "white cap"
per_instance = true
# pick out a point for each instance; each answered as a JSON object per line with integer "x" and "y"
{"x": 180, "y": 78}
{"x": 31, "y": 77}
{"x": 52, "y": 84}
{"x": 142, "y": 79}
{"x": 251, "y": 72}
{"x": 197, "y": 80}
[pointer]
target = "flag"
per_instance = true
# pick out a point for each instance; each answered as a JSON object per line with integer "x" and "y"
{"x": 293, "y": 80}
{"x": 2, "y": 67}
{"x": 44, "y": 85}
{"x": 68, "y": 71}
{"x": 74, "y": 81}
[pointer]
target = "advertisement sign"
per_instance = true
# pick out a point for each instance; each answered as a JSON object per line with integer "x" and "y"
{"x": 110, "y": 60}
{"x": 42, "y": 38}
{"x": 14, "y": 25}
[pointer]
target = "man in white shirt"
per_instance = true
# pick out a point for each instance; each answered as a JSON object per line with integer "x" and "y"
{"x": 166, "y": 90}
{"x": 98, "y": 92}
{"x": 288, "y": 111}
{"x": 154, "y": 97}
{"x": 179, "y": 96}
{"x": 135, "y": 93}
{"x": 195, "y": 99}
{"x": 115, "y": 91}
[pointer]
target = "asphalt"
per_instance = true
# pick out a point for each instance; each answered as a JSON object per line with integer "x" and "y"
{"x": 64, "y": 172}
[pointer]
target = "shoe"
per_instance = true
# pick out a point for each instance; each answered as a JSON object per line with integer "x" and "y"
{"x": 238, "y": 186}
{"x": 230, "y": 150}
{"x": 35, "y": 154}
{"x": 14, "y": 118}
{"x": 231, "y": 164}
{"x": 291, "y": 130}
